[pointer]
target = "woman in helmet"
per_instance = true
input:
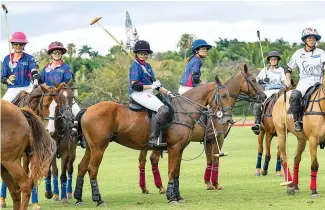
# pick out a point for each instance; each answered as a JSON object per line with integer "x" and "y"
{"x": 18, "y": 68}
{"x": 141, "y": 86}
{"x": 192, "y": 73}
{"x": 58, "y": 71}
{"x": 310, "y": 62}
{"x": 272, "y": 78}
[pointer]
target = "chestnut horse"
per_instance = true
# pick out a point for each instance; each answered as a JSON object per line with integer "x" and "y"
{"x": 313, "y": 131}
{"x": 17, "y": 127}
{"x": 63, "y": 119}
{"x": 243, "y": 83}
{"x": 267, "y": 129}
{"x": 108, "y": 121}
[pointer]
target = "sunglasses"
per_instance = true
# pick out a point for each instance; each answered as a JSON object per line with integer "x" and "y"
{"x": 57, "y": 52}
{"x": 142, "y": 53}
{"x": 20, "y": 44}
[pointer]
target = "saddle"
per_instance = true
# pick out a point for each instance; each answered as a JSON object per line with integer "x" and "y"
{"x": 134, "y": 106}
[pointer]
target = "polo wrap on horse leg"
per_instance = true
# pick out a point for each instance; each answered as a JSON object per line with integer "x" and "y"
{"x": 95, "y": 190}
{"x": 170, "y": 194}
{"x": 79, "y": 185}
{"x": 176, "y": 188}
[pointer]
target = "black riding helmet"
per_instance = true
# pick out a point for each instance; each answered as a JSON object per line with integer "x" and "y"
{"x": 142, "y": 45}
{"x": 273, "y": 54}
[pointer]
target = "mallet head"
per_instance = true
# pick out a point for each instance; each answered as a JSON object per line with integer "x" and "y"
{"x": 95, "y": 20}
{"x": 4, "y": 8}
{"x": 221, "y": 154}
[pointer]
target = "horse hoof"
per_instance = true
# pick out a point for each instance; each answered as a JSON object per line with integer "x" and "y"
{"x": 297, "y": 190}
{"x": 79, "y": 202}
{"x": 162, "y": 190}
{"x": 145, "y": 191}
{"x": 264, "y": 173}
{"x": 48, "y": 195}
{"x": 180, "y": 199}
{"x": 210, "y": 188}
{"x": 218, "y": 187}
{"x": 69, "y": 195}
{"x": 257, "y": 173}
{"x": 55, "y": 197}
{"x": 291, "y": 190}
{"x": 65, "y": 201}
{"x": 36, "y": 207}
{"x": 314, "y": 194}
{"x": 172, "y": 202}
{"x": 101, "y": 204}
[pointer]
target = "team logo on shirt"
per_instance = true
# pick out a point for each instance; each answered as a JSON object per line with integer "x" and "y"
{"x": 48, "y": 69}
{"x": 12, "y": 64}
{"x": 316, "y": 56}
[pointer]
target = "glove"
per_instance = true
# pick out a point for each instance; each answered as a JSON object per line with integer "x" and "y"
{"x": 267, "y": 80}
{"x": 261, "y": 82}
{"x": 156, "y": 85}
{"x": 170, "y": 94}
{"x": 11, "y": 79}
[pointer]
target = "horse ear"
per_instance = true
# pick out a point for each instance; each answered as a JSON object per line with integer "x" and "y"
{"x": 245, "y": 68}
{"x": 217, "y": 80}
{"x": 44, "y": 89}
{"x": 60, "y": 87}
{"x": 69, "y": 83}
{"x": 55, "y": 84}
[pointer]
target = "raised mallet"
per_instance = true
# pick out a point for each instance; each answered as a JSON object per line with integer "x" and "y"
{"x": 96, "y": 20}
{"x": 259, "y": 39}
{"x": 7, "y": 28}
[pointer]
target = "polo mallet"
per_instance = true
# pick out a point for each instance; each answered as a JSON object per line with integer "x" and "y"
{"x": 259, "y": 39}
{"x": 221, "y": 154}
{"x": 285, "y": 129}
{"x": 7, "y": 28}
{"x": 123, "y": 48}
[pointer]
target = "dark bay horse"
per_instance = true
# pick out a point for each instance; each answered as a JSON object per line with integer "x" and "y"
{"x": 267, "y": 130}
{"x": 65, "y": 142}
{"x": 313, "y": 131}
{"x": 243, "y": 83}
{"x": 22, "y": 129}
{"x": 108, "y": 121}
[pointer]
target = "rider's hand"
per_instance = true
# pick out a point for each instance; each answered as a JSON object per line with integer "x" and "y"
{"x": 156, "y": 84}
{"x": 170, "y": 94}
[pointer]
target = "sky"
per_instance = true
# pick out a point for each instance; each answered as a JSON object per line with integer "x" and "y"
{"x": 160, "y": 23}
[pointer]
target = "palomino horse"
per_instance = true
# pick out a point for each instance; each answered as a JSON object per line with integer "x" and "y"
{"x": 267, "y": 129}
{"x": 66, "y": 144}
{"x": 116, "y": 122}
{"x": 243, "y": 83}
{"x": 314, "y": 132}
{"x": 18, "y": 125}
{"x": 39, "y": 101}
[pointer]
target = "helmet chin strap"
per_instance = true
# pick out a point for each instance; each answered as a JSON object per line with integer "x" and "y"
{"x": 312, "y": 47}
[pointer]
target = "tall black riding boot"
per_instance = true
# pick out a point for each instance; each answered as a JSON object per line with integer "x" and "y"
{"x": 296, "y": 108}
{"x": 257, "y": 111}
{"x": 154, "y": 135}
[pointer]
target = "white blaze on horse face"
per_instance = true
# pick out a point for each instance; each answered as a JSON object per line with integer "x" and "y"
{"x": 65, "y": 94}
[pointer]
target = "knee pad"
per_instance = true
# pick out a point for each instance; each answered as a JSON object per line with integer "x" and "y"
{"x": 257, "y": 109}
{"x": 295, "y": 101}
{"x": 162, "y": 114}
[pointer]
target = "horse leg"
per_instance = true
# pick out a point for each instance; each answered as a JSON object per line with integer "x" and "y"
{"x": 179, "y": 198}
{"x": 215, "y": 162}
{"x": 3, "y": 195}
{"x": 63, "y": 177}
{"x": 142, "y": 171}
{"x": 284, "y": 159}
{"x": 48, "y": 186}
{"x": 96, "y": 157}
{"x": 299, "y": 151}
{"x": 260, "y": 152}
{"x": 82, "y": 170}
{"x": 13, "y": 188}
{"x": 72, "y": 158}
{"x": 154, "y": 159}
{"x": 208, "y": 169}
{"x": 55, "y": 173}
{"x": 314, "y": 166}
{"x": 173, "y": 182}
{"x": 267, "y": 159}
{"x": 278, "y": 163}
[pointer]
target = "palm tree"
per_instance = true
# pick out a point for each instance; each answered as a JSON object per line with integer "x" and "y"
{"x": 185, "y": 42}
{"x": 85, "y": 49}
{"x": 71, "y": 49}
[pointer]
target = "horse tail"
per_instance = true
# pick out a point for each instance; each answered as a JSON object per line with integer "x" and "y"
{"x": 42, "y": 146}
{"x": 78, "y": 119}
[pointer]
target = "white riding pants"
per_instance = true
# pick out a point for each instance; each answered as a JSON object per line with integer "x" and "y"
{"x": 147, "y": 99}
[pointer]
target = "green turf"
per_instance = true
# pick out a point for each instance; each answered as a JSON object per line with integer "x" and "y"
{"x": 118, "y": 180}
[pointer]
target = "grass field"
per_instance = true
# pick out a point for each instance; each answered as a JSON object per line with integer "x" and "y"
{"x": 118, "y": 180}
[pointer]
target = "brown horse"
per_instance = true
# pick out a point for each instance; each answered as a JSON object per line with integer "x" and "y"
{"x": 313, "y": 131}
{"x": 66, "y": 144}
{"x": 17, "y": 127}
{"x": 243, "y": 83}
{"x": 108, "y": 121}
{"x": 267, "y": 129}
